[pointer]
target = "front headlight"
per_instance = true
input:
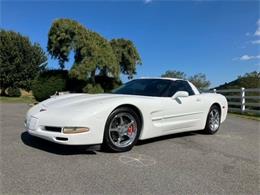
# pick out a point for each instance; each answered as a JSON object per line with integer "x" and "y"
{"x": 72, "y": 130}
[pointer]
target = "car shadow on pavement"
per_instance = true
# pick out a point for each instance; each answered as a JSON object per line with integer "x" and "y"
{"x": 59, "y": 149}
{"x": 168, "y": 137}
{"x": 47, "y": 146}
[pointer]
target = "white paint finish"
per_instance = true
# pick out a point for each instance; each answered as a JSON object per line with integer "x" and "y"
{"x": 160, "y": 115}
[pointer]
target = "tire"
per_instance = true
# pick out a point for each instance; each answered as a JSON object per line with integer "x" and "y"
{"x": 122, "y": 130}
{"x": 213, "y": 120}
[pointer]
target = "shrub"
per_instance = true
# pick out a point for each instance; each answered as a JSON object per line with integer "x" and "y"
{"x": 89, "y": 88}
{"x": 14, "y": 92}
{"x": 75, "y": 85}
{"x": 108, "y": 83}
{"x": 48, "y": 82}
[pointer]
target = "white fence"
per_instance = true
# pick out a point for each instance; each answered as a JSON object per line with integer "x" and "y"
{"x": 239, "y": 100}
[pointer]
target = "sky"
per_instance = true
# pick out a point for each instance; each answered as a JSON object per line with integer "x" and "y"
{"x": 218, "y": 38}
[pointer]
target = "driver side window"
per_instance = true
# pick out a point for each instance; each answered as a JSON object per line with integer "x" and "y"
{"x": 180, "y": 85}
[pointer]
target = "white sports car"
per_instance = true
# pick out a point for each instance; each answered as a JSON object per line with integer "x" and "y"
{"x": 140, "y": 109}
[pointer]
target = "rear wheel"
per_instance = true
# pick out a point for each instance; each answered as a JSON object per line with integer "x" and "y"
{"x": 122, "y": 130}
{"x": 213, "y": 120}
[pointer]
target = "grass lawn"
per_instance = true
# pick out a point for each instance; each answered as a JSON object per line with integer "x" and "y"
{"x": 22, "y": 99}
{"x": 247, "y": 116}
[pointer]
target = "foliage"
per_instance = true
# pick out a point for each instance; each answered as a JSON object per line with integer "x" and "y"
{"x": 200, "y": 81}
{"x": 13, "y": 92}
{"x": 75, "y": 85}
{"x": 92, "y": 51}
{"x": 92, "y": 89}
{"x": 48, "y": 83}
{"x": 93, "y": 54}
{"x": 174, "y": 74}
{"x": 108, "y": 83}
{"x": 127, "y": 56}
{"x": 20, "y": 60}
{"x": 248, "y": 80}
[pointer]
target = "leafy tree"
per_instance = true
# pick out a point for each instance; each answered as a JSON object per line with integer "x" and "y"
{"x": 200, "y": 81}
{"x": 89, "y": 88}
{"x": 108, "y": 83}
{"x": 174, "y": 74}
{"x": 248, "y": 80}
{"x": 127, "y": 56}
{"x": 93, "y": 53}
{"x": 13, "y": 92}
{"x": 20, "y": 60}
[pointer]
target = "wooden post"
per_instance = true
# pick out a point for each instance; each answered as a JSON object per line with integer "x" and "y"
{"x": 242, "y": 100}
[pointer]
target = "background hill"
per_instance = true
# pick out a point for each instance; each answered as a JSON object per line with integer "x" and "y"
{"x": 248, "y": 80}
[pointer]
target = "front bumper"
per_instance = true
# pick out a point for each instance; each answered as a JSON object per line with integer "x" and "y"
{"x": 35, "y": 128}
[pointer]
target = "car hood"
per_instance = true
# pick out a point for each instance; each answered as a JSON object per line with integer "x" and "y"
{"x": 78, "y": 100}
{"x": 81, "y": 105}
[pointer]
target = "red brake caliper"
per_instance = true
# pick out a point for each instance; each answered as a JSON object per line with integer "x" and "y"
{"x": 130, "y": 130}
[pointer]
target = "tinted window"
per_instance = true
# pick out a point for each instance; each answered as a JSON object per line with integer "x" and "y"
{"x": 180, "y": 85}
{"x": 146, "y": 87}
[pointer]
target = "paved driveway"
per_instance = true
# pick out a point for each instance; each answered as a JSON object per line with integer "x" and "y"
{"x": 187, "y": 163}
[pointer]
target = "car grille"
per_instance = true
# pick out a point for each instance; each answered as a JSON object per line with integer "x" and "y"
{"x": 53, "y": 129}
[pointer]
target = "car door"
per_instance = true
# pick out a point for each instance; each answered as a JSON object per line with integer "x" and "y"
{"x": 179, "y": 114}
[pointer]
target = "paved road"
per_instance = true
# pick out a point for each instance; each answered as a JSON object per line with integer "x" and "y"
{"x": 187, "y": 163}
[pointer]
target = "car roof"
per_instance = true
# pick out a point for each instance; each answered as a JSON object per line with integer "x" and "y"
{"x": 162, "y": 78}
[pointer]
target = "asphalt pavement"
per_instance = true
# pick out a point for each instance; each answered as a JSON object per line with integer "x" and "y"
{"x": 186, "y": 163}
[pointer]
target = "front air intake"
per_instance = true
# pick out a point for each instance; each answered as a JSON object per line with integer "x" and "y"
{"x": 53, "y": 129}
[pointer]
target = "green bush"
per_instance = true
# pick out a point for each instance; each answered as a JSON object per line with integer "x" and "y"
{"x": 48, "y": 83}
{"x": 14, "y": 92}
{"x": 108, "y": 83}
{"x": 89, "y": 88}
{"x": 75, "y": 85}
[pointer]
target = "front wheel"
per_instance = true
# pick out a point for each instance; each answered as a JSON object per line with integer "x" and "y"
{"x": 122, "y": 130}
{"x": 213, "y": 120}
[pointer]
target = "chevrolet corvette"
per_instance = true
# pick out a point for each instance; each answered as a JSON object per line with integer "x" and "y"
{"x": 140, "y": 109}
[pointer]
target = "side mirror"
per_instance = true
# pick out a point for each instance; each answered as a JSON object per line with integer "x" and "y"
{"x": 179, "y": 94}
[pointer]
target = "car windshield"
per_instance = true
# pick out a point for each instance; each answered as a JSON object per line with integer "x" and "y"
{"x": 145, "y": 87}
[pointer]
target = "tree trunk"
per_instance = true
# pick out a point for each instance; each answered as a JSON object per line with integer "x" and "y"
{"x": 3, "y": 91}
{"x": 103, "y": 72}
{"x": 93, "y": 74}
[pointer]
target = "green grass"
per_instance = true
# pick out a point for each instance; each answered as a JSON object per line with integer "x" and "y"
{"x": 247, "y": 116}
{"x": 22, "y": 99}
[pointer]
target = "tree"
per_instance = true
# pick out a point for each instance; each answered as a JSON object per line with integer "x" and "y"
{"x": 127, "y": 56}
{"x": 93, "y": 54}
{"x": 200, "y": 81}
{"x": 20, "y": 60}
{"x": 174, "y": 74}
{"x": 248, "y": 80}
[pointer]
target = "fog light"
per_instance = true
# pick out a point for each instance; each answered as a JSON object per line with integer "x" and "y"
{"x": 71, "y": 130}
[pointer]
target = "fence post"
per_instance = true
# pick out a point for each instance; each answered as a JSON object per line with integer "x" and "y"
{"x": 242, "y": 100}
